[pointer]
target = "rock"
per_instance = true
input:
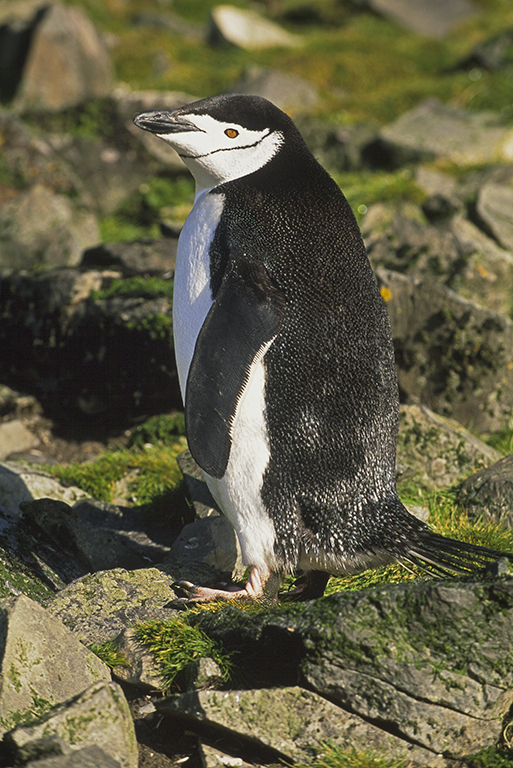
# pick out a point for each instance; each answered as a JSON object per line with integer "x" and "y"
{"x": 438, "y": 450}
{"x": 15, "y": 438}
{"x": 197, "y": 489}
{"x": 495, "y": 209}
{"x": 139, "y": 257}
{"x": 426, "y": 17}
{"x": 292, "y": 721}
{"x": 451, "y": 355}
{"x": 42, "y": 662}
{"x": 290, "y": 93}
{"x": 203, "y": 674}
{"x": 214, "y": 758}
{"x": 247, "y": 29}
{"x": 90, "y": 757}
{"x": 99, "y": 716}
{"x": 489, "y": 493}
{"x": 21, "y": 482}
{"x": 490, "y": 55}
{"x": 423, "y": 660}
{"x": 205, "y": 552}
{"x": 16, "y": 405}
{"x": 67, "y": 62}
{"x": 435, "y": 131}
{"x": 140, "y": 668}
{"x": 90, "y": 354}
{"x": 95, "y": 548}
{"x": 337, "y": 147}
{"x": 41, "y": 228}
{"x": 99, "y": 606}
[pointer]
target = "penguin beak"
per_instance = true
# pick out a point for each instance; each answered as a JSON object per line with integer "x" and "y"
{"x": 163, "y": 123}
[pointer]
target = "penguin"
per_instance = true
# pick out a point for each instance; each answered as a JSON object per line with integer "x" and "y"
{"x": 285, "y": 359}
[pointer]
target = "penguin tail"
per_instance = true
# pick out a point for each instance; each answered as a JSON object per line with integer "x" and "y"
{"x": 438, "y": 556}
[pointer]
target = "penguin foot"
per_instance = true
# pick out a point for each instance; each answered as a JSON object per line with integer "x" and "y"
{"x": 309, "y": 586}
{"x": 262, "y": 586}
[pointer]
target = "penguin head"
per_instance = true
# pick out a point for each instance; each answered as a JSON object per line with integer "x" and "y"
{"x": 221, "y": 138}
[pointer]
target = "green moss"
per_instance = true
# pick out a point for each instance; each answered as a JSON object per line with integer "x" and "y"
{"x": 176, "y": 643}
{"x": 364, "y": 188}
{"x": 144, "y": 287}
{"x": 337, "y": 757}
{"x": 490, "y": 758}
{"x": 149, "y": 473}
{"x": 159, "y": 430}
{"x": 502, "y": 441}
{"x": 109, "y": 653}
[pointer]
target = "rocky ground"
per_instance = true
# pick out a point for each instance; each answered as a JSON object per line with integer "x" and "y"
{"x": 100, "y": 664}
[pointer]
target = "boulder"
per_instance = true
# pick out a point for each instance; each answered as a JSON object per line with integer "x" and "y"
{"x": 430, "y": 18}
{"x": 451, "y": 355}
{"x": 90, "y": 353}
{"x": 433, "y": 130}
{"x": 99, "y": 716}
{"x": 66, "y": 62}
{"x": 39, "y": 228}
{"x": 99, "y": 606}
{"x": 290, "y": 93}
{"x": 89, "y": 757}
{"x": 16, "y": 438}
{"x": 437, "y": 452}
{"x": 247, "y": 29}
{"x": 293, "y": 722}
{"x": 488, "y": 493}
{"x": 422, "y": 660}
{"x": 42, "y": 662}
{"x": 495, "y": 209}
{"x": 21, "y": 482}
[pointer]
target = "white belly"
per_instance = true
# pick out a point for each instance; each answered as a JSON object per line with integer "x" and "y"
{"x": 238, "y": 491}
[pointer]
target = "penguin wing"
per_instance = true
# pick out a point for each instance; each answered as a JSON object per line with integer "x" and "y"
{"x": 246, "y": 315}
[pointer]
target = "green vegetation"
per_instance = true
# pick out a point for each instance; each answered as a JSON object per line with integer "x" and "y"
{"x": 337, "y": 757}
{"x": 358, "y": 81}
{"x": 149, "y": 473}
{"x": 146, "y": 287}
{"x": 109, "y": 653}
{"x": 176, "y": 643}
{"x": 491, "y": 758}
{"x": 502, "y": 441}
{"x": 158, "y": 199}
{"x": 159, "y": 430}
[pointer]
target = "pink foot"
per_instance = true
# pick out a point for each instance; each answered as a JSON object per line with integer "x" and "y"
{"x": 262, "y": 586}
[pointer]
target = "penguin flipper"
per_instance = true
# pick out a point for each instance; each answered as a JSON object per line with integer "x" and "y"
{"x": 246, "y": 315}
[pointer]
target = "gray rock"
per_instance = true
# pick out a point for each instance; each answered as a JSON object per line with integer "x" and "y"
{"x": 247, "y": 29}
{"x": 433, "y": 131}
{"x": 215, "y": 758}
{"x": 294, "y": 722}
{"x": 495, "y": 209}
{"x": 205, "y": 552}
{"x": 431, "y": 18}
{"x": 41, "y": 228}
{"x": 140, "y": 668}
{"x": 451, "y": 355}
{"x": 89, "y": 757}
{"x": 489, "y": 493}
{"x": 197, "y": 490}
{"x": 204, "y": 674}
{"x": 98, "y": 716}
{"x": 290, "y": 93}
{"x": 95, "y": 548}
{"x": 16, "y": 405}
{"x": 439, "y": 451}
{"x": 89, "y": 354}
{"x": 42, "y": 662}
{"x": 423, "y": 660}
{"x": 139, "y": 257}
{"x": 99, "y": 606}
{"x": 23, "y": 482}
{"x": 15, "y": 438}
{"x": 67, "y": 61}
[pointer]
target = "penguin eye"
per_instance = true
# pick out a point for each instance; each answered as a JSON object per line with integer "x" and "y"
{"x": 231, "y": 133}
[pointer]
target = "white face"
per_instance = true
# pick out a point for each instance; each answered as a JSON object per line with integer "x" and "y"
{"x": 217, "y": 152}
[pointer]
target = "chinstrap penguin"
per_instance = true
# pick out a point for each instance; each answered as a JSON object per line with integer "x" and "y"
{"x": 285, "y": 358}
